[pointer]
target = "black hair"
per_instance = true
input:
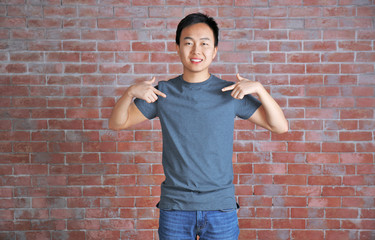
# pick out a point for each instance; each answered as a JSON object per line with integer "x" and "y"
{"x": 195, "y": 18}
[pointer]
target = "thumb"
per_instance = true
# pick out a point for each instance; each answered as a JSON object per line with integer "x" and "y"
{"x": 151, "y": 81}
{"x": 239, "y": 77}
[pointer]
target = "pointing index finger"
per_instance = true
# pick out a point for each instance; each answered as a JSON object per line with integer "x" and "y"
{"x": 160, "y": 93}
{"x": 231, "y": 87}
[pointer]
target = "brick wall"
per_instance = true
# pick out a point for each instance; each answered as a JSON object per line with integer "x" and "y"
{"x": 63, "y": 64}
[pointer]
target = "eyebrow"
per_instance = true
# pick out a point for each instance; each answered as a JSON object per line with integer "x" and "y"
{"x": 190, "y": 38}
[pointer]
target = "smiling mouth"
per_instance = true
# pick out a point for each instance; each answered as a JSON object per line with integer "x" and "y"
{"x": 196, "y": 60}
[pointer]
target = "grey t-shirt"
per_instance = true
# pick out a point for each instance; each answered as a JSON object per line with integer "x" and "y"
{"x": 197, "y": 121}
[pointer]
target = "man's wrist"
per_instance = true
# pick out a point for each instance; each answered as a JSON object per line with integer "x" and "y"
{"x": 128, "y": 93}
{"x": 260, "y": 89}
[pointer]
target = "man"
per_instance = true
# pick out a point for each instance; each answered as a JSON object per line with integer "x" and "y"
{"x": 197, "y": 112}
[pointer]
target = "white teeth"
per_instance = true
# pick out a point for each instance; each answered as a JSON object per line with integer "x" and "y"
{"x": 196, "y": 60}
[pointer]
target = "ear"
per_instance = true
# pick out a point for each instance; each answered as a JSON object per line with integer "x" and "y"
{"x": 215, "y": 52}
{"x": 178, "y": 49}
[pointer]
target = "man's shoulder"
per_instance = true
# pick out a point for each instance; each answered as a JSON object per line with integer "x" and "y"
{"x": 171, "y": 81}
{"x": 221, "y": 82}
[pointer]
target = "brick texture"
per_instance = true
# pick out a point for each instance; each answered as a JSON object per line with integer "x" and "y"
{"x": 64, "y": 63}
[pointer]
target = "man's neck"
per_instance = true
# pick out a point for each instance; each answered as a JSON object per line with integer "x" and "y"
{"x": 196, "y": 77}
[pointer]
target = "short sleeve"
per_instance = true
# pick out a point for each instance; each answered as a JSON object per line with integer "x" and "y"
{"x": 149, "y": 110}
{"x": 247, "y": 106}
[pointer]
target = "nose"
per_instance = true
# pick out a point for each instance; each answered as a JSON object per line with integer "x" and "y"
{"x": 196, "y": 49}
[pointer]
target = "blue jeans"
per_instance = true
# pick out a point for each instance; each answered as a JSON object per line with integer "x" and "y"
{"x": 208, "y": 225}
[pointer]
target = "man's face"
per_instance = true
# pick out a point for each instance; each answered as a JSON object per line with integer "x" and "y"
{"x": 197, "y": 48}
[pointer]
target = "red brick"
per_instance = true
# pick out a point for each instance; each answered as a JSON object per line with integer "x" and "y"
{"x": 26, "y": 57}
{"x": 287, "y": 3}
{"x": 366, "y": 34}
{"x": 65, "y": 192}
{"x": 270, "y": 35}
{"x": 102, "y": 234}
{"x": 338, "y": 57}
{"x": 59, "y": 11}
{"x": 101, "y": 169}
{"x": 83, "y": 224}
{"x": 102, "y": 213}
{"x": 119, "y": 180}
{"x": 338, "y": 147}
{"x": 97, "y": 57}
{"x": 99, "y": 191}
{"x": 44, "y": 23}
{"x": 341, "y": 234}
{"x": 320, "y": 46}
{"x": 147, "y": 201}
{"x": 322, "y": 158}
{"x": 118, "y": 202}
{"x": 65, "y": 124}
{"x": 321, "y": 23}
{"x": 288, "y": 68}
{"x": 133, "y": 191}
{"x": 48, "y": 202}
{"x": 65, "y": 169}
{"x": 308, "y": 234}
{"x": 30, "y": 147}
{"x": 31, "y": 214}
{"x": 79, "y": 46}
{"x": 257, "y": 68}
{"x": 13, "y": 68}
{"x": 114, "y": 23}
{"x": 358, "y": 224}
{"x": 356, "y": 68}
{"x": 338, "y": 191}
{"x": 255, "y": 223}
{"x": 12, "y": 22}
{"x": 69, "y": 235}
{"x": 339, "y": 34}
{"x": 324, "y": 202}
{"x": 355, "y": 136}
{"x": 288, "y": 223}
{"x": 304, "y": 169}
{"x": 285, "y": 46}
{"x": 150, "y": 180}
{"x": 304, "y": 34}
{"x": 134, "y": 146}
{"x": 80, "y": 68}
{"x": 251, "y": 135}
{"x": 365, "y": 102}
{"x": 84, "y": 180}
{"x": 51, "y": 158}
{"x": 270, "y": 147}
{"x": 16, "y": 181}
{"x": 31, "y": 170}
{"x": 119, "y": 224}
{"x": 365, "y": 191}
{"x": 242, "y": 146}
{"x": 135, "y": 169}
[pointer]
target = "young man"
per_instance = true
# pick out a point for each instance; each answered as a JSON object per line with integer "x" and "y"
{"x": 197, "y": 112}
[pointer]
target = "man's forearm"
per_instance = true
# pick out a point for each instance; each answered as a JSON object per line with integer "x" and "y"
{"x": 274, "y": 115}
{"x": 120, "y": 114}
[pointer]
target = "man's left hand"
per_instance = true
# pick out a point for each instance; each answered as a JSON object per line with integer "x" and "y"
{"x": 242, "y": 87}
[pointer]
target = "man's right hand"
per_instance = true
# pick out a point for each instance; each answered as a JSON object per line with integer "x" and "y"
{"x": 145, "y": 91}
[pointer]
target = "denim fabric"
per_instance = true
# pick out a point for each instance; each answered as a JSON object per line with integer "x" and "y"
{"x": 208, "y": 225}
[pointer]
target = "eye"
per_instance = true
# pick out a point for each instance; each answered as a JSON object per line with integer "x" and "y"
{"x": 188, "y": 44}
